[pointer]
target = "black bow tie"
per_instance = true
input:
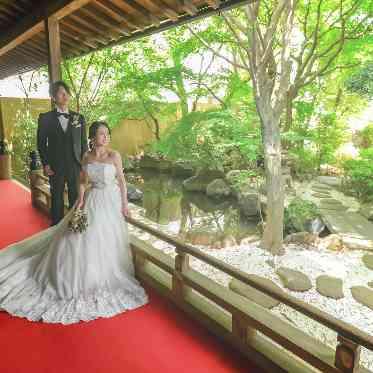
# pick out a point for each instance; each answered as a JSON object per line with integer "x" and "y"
{"x": 66, "y": 115}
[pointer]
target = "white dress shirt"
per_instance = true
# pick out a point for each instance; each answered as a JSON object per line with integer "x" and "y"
{"x": 63, "y": 121}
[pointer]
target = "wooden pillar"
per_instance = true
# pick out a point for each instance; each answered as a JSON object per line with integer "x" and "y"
{"x": 52, "y": 32}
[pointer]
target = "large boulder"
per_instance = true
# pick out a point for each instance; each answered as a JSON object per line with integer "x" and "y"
{"x": 302, "y": 238}
{"x": 199, "y": 182}
{"x": 133, "y": 194}
{"x": 367, "y": 210}
{"x": 293, "y": 279}
{"x": 182, "y": 168}
{"x": 248, "y": 200}
{"x": 218, "y": 188}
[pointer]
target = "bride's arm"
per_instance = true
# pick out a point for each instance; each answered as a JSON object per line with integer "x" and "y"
{"x": 122, "y": 181}
{"x": 83, "y": 180}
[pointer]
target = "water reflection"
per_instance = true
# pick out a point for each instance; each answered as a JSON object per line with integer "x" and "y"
{"x": 194, "y": 217}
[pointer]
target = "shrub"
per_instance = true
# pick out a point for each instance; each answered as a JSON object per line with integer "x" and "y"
{"x": 359, "y": 175}
{"x": 297, "y": 214}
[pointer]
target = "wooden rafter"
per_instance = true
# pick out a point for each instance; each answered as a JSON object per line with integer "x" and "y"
{"x": 33, "y": 23}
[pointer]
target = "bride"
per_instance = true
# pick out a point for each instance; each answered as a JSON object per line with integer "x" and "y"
{"x": 58, "y": 276}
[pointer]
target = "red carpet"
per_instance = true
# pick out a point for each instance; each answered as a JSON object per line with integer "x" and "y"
{"x": 154, "y": 338}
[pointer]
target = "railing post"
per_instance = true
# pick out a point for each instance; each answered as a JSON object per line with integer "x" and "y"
{"x": 34, "y": 176}
{"x": 347, "y": 355}
{"x": 241, "y": 329}
{"x": 181, "y": 265}
{"x": 138, "y": 261}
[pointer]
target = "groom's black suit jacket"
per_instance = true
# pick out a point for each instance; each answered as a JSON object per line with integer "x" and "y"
{"x": 58, "y": 148}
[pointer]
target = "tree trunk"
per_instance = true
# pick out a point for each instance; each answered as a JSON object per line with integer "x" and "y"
{"x": 273, "y": 232}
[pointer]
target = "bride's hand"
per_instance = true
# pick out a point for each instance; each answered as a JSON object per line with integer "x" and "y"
{"x": 80, "y": 203}
{"x": 125, "y": 211}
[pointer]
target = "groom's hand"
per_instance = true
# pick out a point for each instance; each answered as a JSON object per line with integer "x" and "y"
{"x": 48, "y": 171}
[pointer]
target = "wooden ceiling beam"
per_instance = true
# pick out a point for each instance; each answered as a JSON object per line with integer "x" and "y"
{"x": 68, "y": 31}
{"x": 34, "y": 22}
{"x": 105, "y": 20}
{"x": 143, "y": 12}
{"x": 81, "y": 29}
{"x": 86, "y": 34}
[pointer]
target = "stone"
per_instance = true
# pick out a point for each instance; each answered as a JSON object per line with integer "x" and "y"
{"x": 182, "y": 168}
{"x": 368, "y": 261}
{"x": 249, "y": 202}
{"x": 331, "y": 287}
{"x": 218, "y": 188}
{"x": 320, "y": 195}
{"x": 367, "y": 211}
{"x": 363, "y": 295}
{"x": 331, "y": 242}
{"x": 321, "y": 186}
{"x": 331, "y": 201}
{"x": 232, "y": 176}
{"x": 356, "y": 243}
{"x": 199, "y": 182}
{"x": 303, "y": 238}
{"x": 293, "y": 279}
{"x": 333, "y": 181}
{"x": 133, "y": 194}
{"x": 255, "y": 295}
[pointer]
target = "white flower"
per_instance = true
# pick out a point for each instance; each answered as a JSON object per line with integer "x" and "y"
{"x": 75, "y": 122}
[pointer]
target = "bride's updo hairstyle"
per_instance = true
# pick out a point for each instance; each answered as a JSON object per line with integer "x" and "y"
{"x": 93, "y": 131}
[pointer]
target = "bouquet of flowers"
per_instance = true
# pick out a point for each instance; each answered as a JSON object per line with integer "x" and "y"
{"x": 78, "y": 221}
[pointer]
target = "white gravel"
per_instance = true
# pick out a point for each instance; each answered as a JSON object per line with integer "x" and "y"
{"x": 313, "y": 262}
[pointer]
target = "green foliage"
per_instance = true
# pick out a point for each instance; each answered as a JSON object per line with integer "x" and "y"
{"x": 212, "y": 139}
{"x": 327, "y": 136}
{"x": 298, "y": 213}
{"x": 24, "y": 141}
{"x": 359, "y": 174}
{"x": 366, "y": 136}
{"x": 362, "y": 81}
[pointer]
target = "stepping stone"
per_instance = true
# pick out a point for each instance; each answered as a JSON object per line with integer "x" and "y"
{"x": 331, "y": 201}
{"x": 331, "y": 287}
{"x": 329, "y": 180}
{"x": 320, "y": 195}
{"x": 254, "y": 295}
{"x": 363, "y": 295}
{"x": 332, "y": 207}
{"x": 294, "y": 280}
{"x": 368, "y": 260}
{"x": 321, "y": 186}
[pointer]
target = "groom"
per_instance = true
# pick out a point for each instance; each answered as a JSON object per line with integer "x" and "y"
{"x": 61, "y": 142}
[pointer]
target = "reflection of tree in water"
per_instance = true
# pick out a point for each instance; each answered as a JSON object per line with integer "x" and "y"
{"x": 200, "y": 220}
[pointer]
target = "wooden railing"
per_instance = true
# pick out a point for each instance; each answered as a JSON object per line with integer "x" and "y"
{"x": 274, "y": 344}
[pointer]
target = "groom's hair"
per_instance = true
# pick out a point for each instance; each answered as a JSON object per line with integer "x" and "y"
{"x": 55, "y": 86}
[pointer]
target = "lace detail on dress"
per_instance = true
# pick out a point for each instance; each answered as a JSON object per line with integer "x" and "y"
{"x": 31, "y": 301}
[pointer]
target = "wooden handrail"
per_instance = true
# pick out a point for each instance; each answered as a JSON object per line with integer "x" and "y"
{"x": 244, "y": 323}
{"x": 348, "y": 331}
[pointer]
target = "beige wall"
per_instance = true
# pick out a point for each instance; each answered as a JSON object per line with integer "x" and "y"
{"x": 10, "y": 107}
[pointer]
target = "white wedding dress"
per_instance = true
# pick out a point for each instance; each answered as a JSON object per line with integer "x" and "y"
{"x": 58, "y": 276}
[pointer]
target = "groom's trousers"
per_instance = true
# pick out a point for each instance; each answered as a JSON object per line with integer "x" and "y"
{"x": 57, "y": 185}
